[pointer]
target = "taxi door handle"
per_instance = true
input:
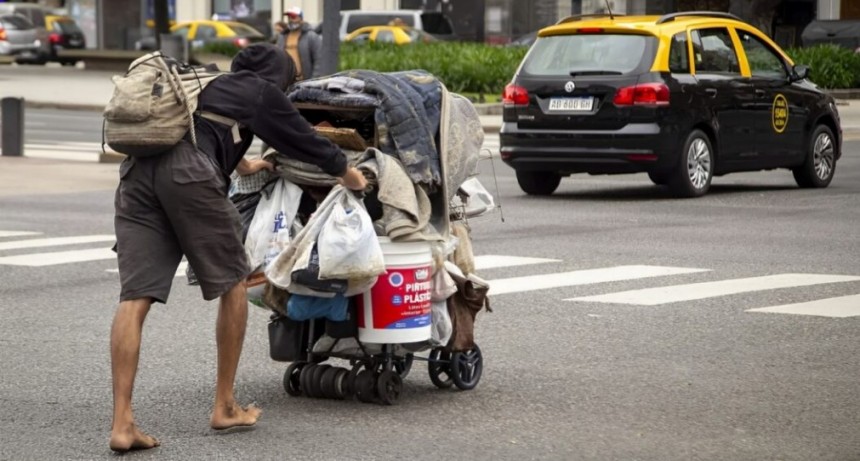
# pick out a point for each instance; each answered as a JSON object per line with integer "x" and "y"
{"x": 760, "y": 93}
{"x": 712, "y": 92}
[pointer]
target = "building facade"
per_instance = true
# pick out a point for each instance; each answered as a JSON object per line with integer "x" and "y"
{"x": 118, "y": 24}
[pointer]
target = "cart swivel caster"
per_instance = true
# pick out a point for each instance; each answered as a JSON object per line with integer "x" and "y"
{"x": 292, "y": 384}
{"x": 388, "y": 386}
{"x": 365, "y": 386}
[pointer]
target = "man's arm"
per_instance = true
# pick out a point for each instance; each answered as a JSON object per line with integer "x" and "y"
{"x": 246, "y": 167}
{"x": 279, "y": 124}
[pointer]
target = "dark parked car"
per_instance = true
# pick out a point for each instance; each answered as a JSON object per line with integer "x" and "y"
{"x": 684, "y": 97}
{"x": 19, "y": 38}
{"x": 64, "y": 34}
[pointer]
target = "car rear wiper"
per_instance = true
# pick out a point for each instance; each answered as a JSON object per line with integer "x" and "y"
{"x": 574, "y": 73}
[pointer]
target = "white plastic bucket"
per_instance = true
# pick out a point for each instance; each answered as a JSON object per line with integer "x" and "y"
{"x": 397, "y": 309}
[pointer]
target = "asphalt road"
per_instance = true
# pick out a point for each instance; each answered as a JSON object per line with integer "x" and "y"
{"x": 693, "y": 379}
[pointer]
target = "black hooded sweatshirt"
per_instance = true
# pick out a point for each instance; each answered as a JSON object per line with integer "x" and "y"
{"x": 253, "y": 95}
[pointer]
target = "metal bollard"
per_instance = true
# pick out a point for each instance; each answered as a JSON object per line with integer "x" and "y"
{"x": 12, "y": 113}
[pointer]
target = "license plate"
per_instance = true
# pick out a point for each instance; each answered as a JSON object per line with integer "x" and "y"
{"x": 571, "y": 104}
{"x": 74, "y": 42}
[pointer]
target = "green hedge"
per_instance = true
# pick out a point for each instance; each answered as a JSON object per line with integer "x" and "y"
{"x": 831, "y": 66}
{"x": 463, "y": 67}
{"x": 476, "y": 68}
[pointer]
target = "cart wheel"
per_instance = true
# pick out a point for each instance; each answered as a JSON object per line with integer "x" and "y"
{"x": 315, "y": 380}
{"x": 327, "y": 382}
{"x": 365, "y": 386}
{"x": 440, "y": 369}
{"x": 292, "y": 384}
{"x": 466, "y": 368}
{"x": 403, "y": 365}
{"x": 389, "y": 385}
{"x": 304, "y": 378}
{"x": 340, "y": 383}
{"x": 349, "y": 381}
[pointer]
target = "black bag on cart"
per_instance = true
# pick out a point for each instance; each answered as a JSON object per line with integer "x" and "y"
{"x": 289, "y": 339}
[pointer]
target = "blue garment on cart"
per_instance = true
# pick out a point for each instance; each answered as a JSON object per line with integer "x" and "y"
{"x": 301, "y": 307}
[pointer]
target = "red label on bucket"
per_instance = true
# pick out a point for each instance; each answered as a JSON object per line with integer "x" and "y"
{"x": 399, "y": 300}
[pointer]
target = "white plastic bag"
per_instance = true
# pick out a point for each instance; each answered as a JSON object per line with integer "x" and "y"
{"x": 347, "y": 244}
{"x": 269, "y": 231}
{"x": 442, "y": 327}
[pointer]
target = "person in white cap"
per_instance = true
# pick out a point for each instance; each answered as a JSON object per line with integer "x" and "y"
{"x": 302, "y": 44}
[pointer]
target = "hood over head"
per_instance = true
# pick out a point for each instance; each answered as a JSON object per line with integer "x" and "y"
{"x": 269, "y": 62}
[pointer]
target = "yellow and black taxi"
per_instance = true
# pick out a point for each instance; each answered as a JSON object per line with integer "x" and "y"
{"x": 682, "y": 97}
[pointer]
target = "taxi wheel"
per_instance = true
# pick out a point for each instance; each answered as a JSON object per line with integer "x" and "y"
{"x": 538, "y": 182}
{"x": 817, "y": 170}
{"x": 695, "y": 169}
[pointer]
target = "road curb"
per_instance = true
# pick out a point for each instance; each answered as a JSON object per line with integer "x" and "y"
{"x": 63, "y": 106}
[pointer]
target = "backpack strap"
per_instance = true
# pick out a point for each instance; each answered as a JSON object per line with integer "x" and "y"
{"x": 226, "y": 121}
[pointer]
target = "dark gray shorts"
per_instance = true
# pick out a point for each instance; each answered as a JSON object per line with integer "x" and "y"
{"x": 170, "y": 205}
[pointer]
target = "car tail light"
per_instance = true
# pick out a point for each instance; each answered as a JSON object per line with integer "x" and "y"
{"x": 515, "y": 96}
{"x": 2, "y": 33}
{"x": 54, "y": 38}
{"x": 642, "y": 157}
{"x": 241, "y": 42}
{"x": 590, "y": 30}
{"x": 647, "y": 94}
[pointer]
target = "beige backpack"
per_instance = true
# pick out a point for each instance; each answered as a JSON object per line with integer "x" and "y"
{"x": 153, "y": 106}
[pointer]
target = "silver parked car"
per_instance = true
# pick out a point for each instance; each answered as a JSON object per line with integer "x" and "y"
{"x": 18, "y": 37}
{"x": 36, "y": 14}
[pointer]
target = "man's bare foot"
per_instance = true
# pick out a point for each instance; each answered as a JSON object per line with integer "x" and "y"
{"x": 234, "y": 416}
{"x": 131, "y": 439}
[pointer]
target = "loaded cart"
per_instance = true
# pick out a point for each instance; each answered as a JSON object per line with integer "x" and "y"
{"x": 385, "y": 278}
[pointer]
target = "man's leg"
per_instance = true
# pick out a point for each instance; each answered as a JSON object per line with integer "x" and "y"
{"x": 230, "y": 334}
{"x": 124, "y": 352}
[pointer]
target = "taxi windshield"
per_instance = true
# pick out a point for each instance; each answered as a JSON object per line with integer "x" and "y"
{"x": 591, "y": 54}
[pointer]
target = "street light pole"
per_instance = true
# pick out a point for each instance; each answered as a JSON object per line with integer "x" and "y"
{"x": 330, "y": 37}
{"x": 162, "y": 20}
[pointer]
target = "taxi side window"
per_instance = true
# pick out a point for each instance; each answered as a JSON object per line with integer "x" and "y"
{"x": 679, "y": 58}
{"x": 385, "y": 36}
{"x": 205, "y": 32}
{"x": 714, "y": 51}
{"x": 763, "y": 61}
{"x": 182, "y": 31}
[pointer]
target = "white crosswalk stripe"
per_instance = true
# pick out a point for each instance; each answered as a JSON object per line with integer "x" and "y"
{"x": 836, "y": 307}
{"x": 694, "y": 291}
{"x": 9, "y": 233}
{"x": 58, "y": 241}
{"x": 484, "y": 262}
{"x": 841, "y": 307}
{"x": 583, "y": 277}
{"x": 60, "y": 257}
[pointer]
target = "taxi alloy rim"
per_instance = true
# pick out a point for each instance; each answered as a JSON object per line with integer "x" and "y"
{"x": 822, "y": 156}
{"x": 699, "y": 163}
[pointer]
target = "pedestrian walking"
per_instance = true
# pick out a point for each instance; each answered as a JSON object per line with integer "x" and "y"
{"x": 176, "y": 204}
